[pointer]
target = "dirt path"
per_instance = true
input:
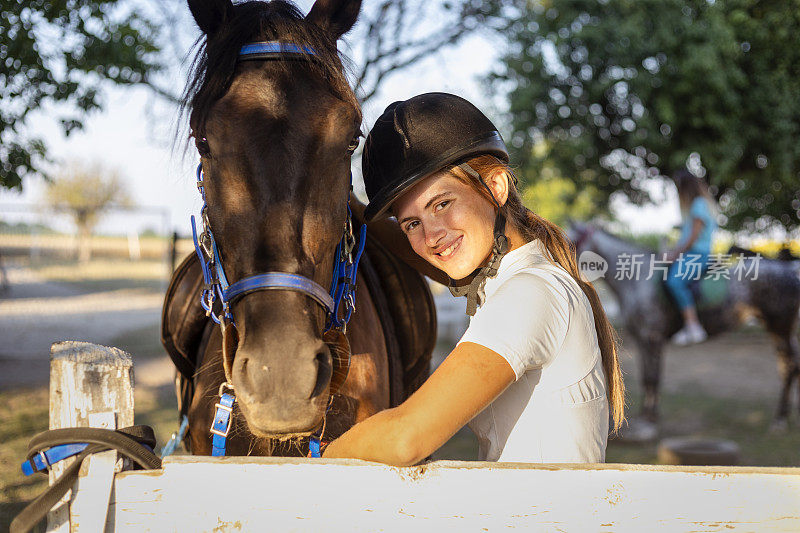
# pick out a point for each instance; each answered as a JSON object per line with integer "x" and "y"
{"x": 36, "y": 313}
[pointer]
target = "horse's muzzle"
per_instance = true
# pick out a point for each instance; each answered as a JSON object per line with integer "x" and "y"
{"x": 285, "y": 387}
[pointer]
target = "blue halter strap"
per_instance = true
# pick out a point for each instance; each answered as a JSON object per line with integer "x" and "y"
{"x": 51, "y": 456}
{"x": 275, "y": 50}
{"x": 338, "y": 301}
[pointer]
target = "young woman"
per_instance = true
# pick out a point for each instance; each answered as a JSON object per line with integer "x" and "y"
{"x": 690, "y": 256}
{"x": 536, "y": 373}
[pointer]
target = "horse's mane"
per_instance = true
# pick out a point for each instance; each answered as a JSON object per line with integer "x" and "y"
{"x": 213, "y": 69}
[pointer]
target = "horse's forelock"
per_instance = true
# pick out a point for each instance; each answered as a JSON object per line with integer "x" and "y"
{"x": 213, "y": 66}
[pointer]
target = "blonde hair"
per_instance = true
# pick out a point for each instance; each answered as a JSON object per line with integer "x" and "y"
{"x": 562, "y": 252}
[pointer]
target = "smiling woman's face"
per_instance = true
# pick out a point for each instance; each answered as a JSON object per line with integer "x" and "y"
{"x": 447, "y": 223}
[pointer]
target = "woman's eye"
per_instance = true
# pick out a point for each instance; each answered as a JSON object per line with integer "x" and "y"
{"x": 411, "y": 225}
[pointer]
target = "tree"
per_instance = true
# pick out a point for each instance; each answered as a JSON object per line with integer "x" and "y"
{"x": 555, "y": 197}
{"x": 628, "y": 91}
{"x": 392, "y": 35}
{"x": 63, "y": 52}
{"x": 86, "y": 193}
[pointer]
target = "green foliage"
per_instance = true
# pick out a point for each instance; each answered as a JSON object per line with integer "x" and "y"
{"x": 553, "y": 196}
{"x": 63, "y": 51}
{"x": 626, "y": 91}
{"x": 24, "y": 227}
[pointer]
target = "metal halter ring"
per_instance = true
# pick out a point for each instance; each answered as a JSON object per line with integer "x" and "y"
{"x": 225, "y": 385}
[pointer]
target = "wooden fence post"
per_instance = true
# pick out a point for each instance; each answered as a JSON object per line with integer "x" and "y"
{"x": 90, "y": 386}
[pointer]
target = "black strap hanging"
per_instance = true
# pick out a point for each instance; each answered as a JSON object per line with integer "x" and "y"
{"x": 134, "y": 442}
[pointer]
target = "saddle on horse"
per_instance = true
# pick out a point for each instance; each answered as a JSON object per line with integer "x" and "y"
{"x": 708, "y": 291}
{"x": 398, "y": 290}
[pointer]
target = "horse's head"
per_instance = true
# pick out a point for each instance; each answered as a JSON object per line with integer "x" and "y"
{"x": 276, "y": 135}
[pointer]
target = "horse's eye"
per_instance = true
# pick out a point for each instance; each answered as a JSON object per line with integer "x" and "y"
{"x": 202, "y": 146}
{"x": 353, "y": 144}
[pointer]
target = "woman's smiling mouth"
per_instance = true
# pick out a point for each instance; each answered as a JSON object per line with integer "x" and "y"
{"x": 448, "y": 252}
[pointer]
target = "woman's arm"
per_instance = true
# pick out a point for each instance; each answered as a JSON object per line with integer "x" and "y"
{"x": 468, "y": 380}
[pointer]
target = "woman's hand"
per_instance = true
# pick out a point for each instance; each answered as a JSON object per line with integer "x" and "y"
{"x": 466, "y": 382}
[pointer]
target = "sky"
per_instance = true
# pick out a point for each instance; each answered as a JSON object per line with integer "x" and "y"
{"x": 134, "y": 135}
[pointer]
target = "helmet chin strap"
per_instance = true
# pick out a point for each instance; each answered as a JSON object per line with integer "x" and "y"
{"x": 474, "y": 291}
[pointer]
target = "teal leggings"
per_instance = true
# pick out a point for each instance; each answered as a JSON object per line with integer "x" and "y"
{"x": 687, "y": 268}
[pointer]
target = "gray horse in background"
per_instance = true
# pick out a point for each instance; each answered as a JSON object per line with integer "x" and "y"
{"x": 771, "y": 293}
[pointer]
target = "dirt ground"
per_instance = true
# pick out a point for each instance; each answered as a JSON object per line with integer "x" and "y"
{"x": 740, "y": 364}
{"x": 35, "y": 312}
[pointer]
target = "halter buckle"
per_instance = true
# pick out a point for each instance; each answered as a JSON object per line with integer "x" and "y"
{"x": 222, "y": 432}
{"x": 216, "y": 427}
{"x": 43, "y": 457}
{"x": 205, "y": 242}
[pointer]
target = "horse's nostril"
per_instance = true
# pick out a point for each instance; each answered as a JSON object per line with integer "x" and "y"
{"x": 245, "y": 375}
{"x": 324, "y": 371}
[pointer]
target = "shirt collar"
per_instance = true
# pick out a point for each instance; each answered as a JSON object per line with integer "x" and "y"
{"x": 530, "y": 253}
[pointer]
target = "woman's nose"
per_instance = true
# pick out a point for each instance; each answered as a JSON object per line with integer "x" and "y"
{"x": 434, "y": 232}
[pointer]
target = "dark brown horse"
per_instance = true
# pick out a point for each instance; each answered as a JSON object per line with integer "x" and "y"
{"x": 275, "y": 138}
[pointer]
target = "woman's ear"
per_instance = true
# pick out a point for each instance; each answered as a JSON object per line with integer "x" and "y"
{"x": 497, "y": 180}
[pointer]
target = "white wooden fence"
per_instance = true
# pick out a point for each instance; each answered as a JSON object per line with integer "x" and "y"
{"x": 280, "y": 494}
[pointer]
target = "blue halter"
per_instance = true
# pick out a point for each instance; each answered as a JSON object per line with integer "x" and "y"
{"x": 341, "y": 293}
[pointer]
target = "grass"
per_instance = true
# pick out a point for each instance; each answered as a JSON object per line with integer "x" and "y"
{"x": 463, "y": 446}
{"x": 143, "y": 343}
{"x": 25, "y": 415}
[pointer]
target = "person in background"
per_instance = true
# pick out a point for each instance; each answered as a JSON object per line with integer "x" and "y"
{"x": 690, "y": 256}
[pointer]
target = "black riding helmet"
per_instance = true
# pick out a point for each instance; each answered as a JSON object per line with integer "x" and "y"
{"x": 417, "y": 137}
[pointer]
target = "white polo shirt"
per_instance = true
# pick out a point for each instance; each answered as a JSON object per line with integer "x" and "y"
{"x": 539, "y": 320}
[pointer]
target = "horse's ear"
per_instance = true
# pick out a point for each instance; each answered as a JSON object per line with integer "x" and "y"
{"x": 210, "y": 15}
{"x": 336, "y": 16}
